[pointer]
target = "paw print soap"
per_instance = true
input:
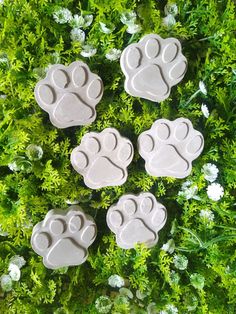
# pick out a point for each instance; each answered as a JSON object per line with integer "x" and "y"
{"x": 169, "y": 148}
{"x": 63, "y": 237}
{"x": 152, "y": 66}
{"x": 136, "y": 219}
{"x": 102, "y": 158}
{"x": 69, "y": 94}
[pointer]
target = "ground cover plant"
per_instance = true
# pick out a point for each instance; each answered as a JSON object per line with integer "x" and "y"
{"x": 192, "y": 269}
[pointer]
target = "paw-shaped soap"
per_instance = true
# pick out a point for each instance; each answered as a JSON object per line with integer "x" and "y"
{"x": 63, "y": 237}
{"x": 136, "y": 219}
{"x": 169, "y": 148}
{"x": 69, "y": 94}
{"x": 152, "y": 66}
{"x": 102, "y": 158}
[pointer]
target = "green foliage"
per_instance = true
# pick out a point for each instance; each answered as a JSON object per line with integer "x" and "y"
{"x": 31, "y": 40}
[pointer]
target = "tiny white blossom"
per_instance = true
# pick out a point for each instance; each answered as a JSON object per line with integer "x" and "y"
{"x": 189, "y": 191}
{"x": 169, "y": 20}
{"x": 126, "y": 293}
{"x": 171, "y": 8}
{"x": 215, "y": 191}
{"x": 113, "y": 54}
{"x": 205, "y": 110}
{"x": 180, "y": 261}
{"x": 3, "y": 96}
{"x": 174, "y": 277}
{"x": 202, "y": 87}
{"x": 103, "y": 304}
{"x": 210, "y": 172}
{"x": 6, "y": 283}
{"x": 88, "y": 19}
{"x": 72, "y": 202}
{"x": 17, "y": 260}
{"x": 141, "y": 295}
{"x": 169, "y": 309}
{"x": 3, "y": 233}
{"x": 77, "y": 21}
{"x": 62, "y": 16}
{"x": 133, "y": 28}
{"x": 78, "y": 35}
{"x": 3, "y": 59}
{"x": 128, "y": 17}
{"x": 107, "y": 29}
{"x": 14, "y": 272}
{"x": 116, "y": 281}
{"x": 88, "y": 51}
{"x": 1, "y": 1}
{"x": 151, "y": 308}
{"x": 169, "y": 246}
{"x": 207, "y": 214}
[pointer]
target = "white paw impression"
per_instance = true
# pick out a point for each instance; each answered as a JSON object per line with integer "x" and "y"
{"x": 102, "y": 158}
{"x": 136, "y": 219}
{"x": 69, "y": 94}
{"x": 169, "y": 148}
{"x": 63, "y": 237}
{"x": 152, "y": 66}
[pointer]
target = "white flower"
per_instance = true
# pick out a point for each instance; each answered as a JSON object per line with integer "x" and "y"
{"x": 169, "y": 246}
{"x": 107, "y": 29}
{"x": 3, "y": 59}
{"x": 140, "y": 295}
{"x": 207, "y": 214}
{"x": 169, "y": 20}
{"x": 151, "y": 308}
{"x": 6, "y": 283}
{"x": 88, "y": 19}
{"x": 77, "y": 34}
{"x": 215, "y": 191}
{"x": 180, "y": 261}
{"x": 126, "y": 292}
{"x": 189, "y": 191}
{"x": 62, "y": 16}
{"x": 77, "y": 21}
{"x": 205, "y": 110}
{"x": 210, "y": 172}
{"x": 1, "y": 1}
{"x": 169, "y": 309}
{"x": 202, "y": 87}
{"x": 128, "y": 17}
{"x": 3, "y": 233}
{"x": 3, "y": 96}
{"x": 70, "y": 202}
{"x": 113, "y": 54}
{"x": 14, "y": 272}
{"x": 133, "y": 28}
{"x": 103, "y": 304}
{"x": 171, "y": 8}
{"x": 174, "y": 277}
{"x": 17, "y": 260}
{"x": 88, "y": 51}
{"x": 116, "y": 281}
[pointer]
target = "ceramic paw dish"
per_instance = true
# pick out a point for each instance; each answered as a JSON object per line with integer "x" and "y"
{"x": 169, "y": 148}
{"x": 136, "y": 219}
{"x": 69, "y": 94}
{"x": 102, "y": 158}
{"x": 63, "y": 237}
{"x": 152, "y": 66}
